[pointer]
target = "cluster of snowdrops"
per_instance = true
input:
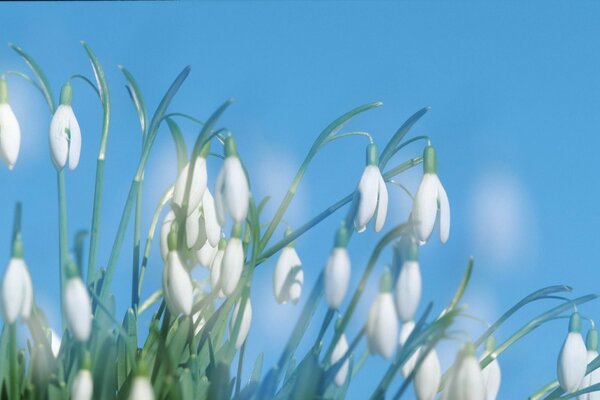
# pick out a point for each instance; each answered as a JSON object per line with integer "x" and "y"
{"x": 185, "y": 353}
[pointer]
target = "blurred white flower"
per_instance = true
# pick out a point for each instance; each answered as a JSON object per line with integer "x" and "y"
{"x": 165, "y": 228}
{"x": 430, "y": 197}
{"x": 288, "y": 276}
{"x": 466, "y": 380}
{"x": 232, "y": 193}
{"x": 10, "y": 131}
{"x": 55, "y": 342}
{"x": 408, "y": 285}
{"x": 340, "y": 349}
{"x": 244, "y": 324}
{"x": 83, "y": 385}
{"x": 78, "y": 307}
{"x": 337, "y": 270}
{"x": 141, "y": 389}
{"x": 197, "y": 185}
{"x": 233, "y": 263}
{"x": 177, "y": 285}
{"x": 64, "y": 133}
{"x": 372, "y": 194}
{"x": 216, "y": 267}
{"x": 572, "y": 360}
{"x": 382, "y": 326}
{"x": 405, "y": 331}
{"x": 428, "y": 376}
{"x": 17, "y": 290}
{"x": 491, "y": 373}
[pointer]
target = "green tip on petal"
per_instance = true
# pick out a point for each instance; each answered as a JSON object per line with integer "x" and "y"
{"x": 66, "y": 94}
{"x": 222, "y": 244}
{"x": 385, "y": 283}
{"x": 17, "y": 250}
{"x": 3, "y": 91}
{"x": 490, "y": 343}
{"x": 236, "y": 231}
{"x": 592, "y": 340}
{"x": 341, "y": 237}
{"x": 172, "y": 237}
{"x": 468, "y": 350}
{"x": 86, "y": 361}
{"x": 429, "y": 160}
{"x": 230, "y": 147}
{"x": 287, "y": 233}
{"x": 142, "y": 368}
{"x": 71, "y": 269}
{"x": 412, "y": 250}
{"x": 575, "y": 323}
{"x": 372, "y": 154}
{"x": 205, "y": 149}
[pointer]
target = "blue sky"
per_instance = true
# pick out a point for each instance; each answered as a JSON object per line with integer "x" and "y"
{"x": 514, "y": 90}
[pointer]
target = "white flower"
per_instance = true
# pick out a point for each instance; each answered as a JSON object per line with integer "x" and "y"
{"x": 215, "y": 269}
{"x": 197, "y": 186}
{"x": 141, "y": 389}
{"x": 83, "y": 385}
{"x": 78, "y": 308}
{"x": 593, "y": 377}
{"x": 572, "y": 360}
{"x": 55, "y": 342}
{"x": 428, "y": 377}
{"x": 405, "y": 331}
{"x": 64, "y": 133}
{"x": 466, "y": 379}
{"x": 337, "y": 270}
{"x": 340, "y": 349}
{"x": 10, "y": 132}
{"x": 430, "y": 196}
{"x": 202, "y": 225}
{"x": 408, "y": 290}
{"x": 244, "y": 324}
{"x": 491, "y": 373}
{"x": 232, "y": 265}
{"x": 165, "y": 228}
{"x": 288, "y": 276}
{"x": 177, "y": 285}
{"x": 17, "y": 290}
{"x": 206, "y": 254}
{"x": 232, "y": 193}
{"x": 382, "y": 327}
{"x": 372, "y": 194}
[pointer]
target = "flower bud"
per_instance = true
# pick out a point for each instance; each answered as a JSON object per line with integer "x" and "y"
{"x": 372, "y": 194}
{"x": 197, "y": 186}
{"x": 77, "y": 305}
{"x": 177, "y": 285}
{"x": 141, "y": 389}
{"x": 64, "y": 133}
{"x": 83, "y": 385}
{"x": 233, "y": 264}
{"x": 593, "y": 377}
{"x": 245, "y": 322}
{"x": 491, "y": 373}
{"x": 17, "y": 290}
{"x": 216, "y": 268}
{"x": 340, "y": 349}
{"x": 232, "y": 193}
{"x": 10, "y": 131}
{"x": 337, "y": 270}
{"x": 572, "y": 360}
{"x": 288, "y": 276}
{"x": 466, "y": 379}
{"x": 428, "y": 377}
{"x": 408, "y": 289}
{"x": 382, "y": 327}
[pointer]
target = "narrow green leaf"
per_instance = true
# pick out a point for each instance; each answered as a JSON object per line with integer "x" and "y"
{"x": 136, "y": 97}
{"x": 39, "y": 74}
{"x": 180, "y": 147}
{"x": 388, "y": 151}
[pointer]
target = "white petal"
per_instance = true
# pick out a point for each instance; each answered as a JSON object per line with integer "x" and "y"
{"x": 215, "y": 271}
{"x": 219, "y": 197}
{"x": 428, "y": 377}
{"x": 197, "y": 188}
{"x": 244, "y": 325}
{"x": 572, "y": 362}
{"x": 466, "y": 382}
{"x": 55, "y": 342}
{"x": 10, "y": 136}
{"x": 59, "y": 144}
{"x": 491, "y": 378}
{"x": 83, "y": 385}
{"x": 368, "y": 189}
{"x": 27, "y": 293}
{"x": 211, "y": 223}
{"x": 282, "y": 282}
{"x": 192, "y": 230}
{"x": 14, "y": 293}
{"x": 425, "y": 206}
{"x": 206, "y": 254}
{"x": 233, "y": 263}
{"x": 78, "y": 309}
{"x": 296, "y": 288}
{"x": 339, "y": 351}
{"x": 382, "y": 327}
{"x": 405, "y": 331}
{"x": 408, "y": 290}
{"x": 337, "y": 277}
{"x": 74, "y": 141}
{"x": 237, "y": 193}
{"x": 164, "y": 234}
{"x": 382, "y": 204}
{"x": 177, "y": 285}
{"x": 591, "y": 379}
{"x": 141, "y": 389}
{"x": 444, "y": 213}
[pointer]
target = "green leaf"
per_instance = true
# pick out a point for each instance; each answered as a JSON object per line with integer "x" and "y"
{"x": 39, "y": 74}
{"x": 388, "y": 151}
{"x": 136, "y": 97}
{"x": 126, "y": 344}
{"x": 257, "y": 369}
{"x": 179, "y": 144}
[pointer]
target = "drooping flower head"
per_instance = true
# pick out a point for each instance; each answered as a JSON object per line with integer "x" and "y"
{"x": 466, "y": 380}
{"x": 233, "y": 261}
{"x": 337, "y": 270}
{"x": 244, "y": 323}
{"x": 83, "y": 384}
{"x": 64, "y": 133}
{"x": 572, "y": 360}
{"x": 10, "y": 131}
{"x": 77, "y": 304}
{"x": 372, "y": 194}
{"x": 17, "y": 290}
{"x": 288, "y": 276}
{"x": 593, "y": 377}
{"x": 232, "y": 193}
{"x": 216, "y": 267}
{"x": 382, "y": 326}
{"x": 141, "y": 387}
{"x": 339, "y": 351}
{"x": 178, "y": 290}
{"x": 491, "y": 373}
{"x": 199, "y": 179}
{"x": 431, "y": 197}
{"x": 428, "y": 376}
{"x": 408, "y": 285}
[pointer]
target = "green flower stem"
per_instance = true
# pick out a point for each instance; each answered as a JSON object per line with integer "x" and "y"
{"x": 347, "y": 134}
{"x": 238, "y": 378}
{"x": 13, "y": 368}
{"x": 63, "y": 247}
{"x": 26, "y": 77}
{"x": 135, "y": 268}
{"x": 543, "y": 390}
{"x": 385, "y": 240}
{"x": 391, "y": 146}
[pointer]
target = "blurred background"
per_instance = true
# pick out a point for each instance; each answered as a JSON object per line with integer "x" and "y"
{"x": 514, "y": 90}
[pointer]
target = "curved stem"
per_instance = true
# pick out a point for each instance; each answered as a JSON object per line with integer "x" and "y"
{"x": 89, "y": 82}
{"x": 63, "y": 247}
{"x": 347, "y": 134}
{"x": 183, "y": 115}
{"x": 24, "y": 76}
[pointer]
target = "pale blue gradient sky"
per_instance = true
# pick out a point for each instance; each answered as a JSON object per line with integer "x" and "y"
{"x": 514, "y": 90}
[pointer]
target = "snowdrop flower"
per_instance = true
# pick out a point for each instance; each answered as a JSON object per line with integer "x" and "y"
{"x": 372, "y": 194}
{"x": 205, "y": 254}
{"x": 466, "y": 379}
{"x": 232, "y": 193}
{"x": 382, "y": 328}
{"x": 430, "y": 197}
{"x": 10, "y": 132}
{"x": 244, "y": 323}
{"x": 593, "y": 377}
{"x": 83, "y": 384}
{"x": 340, "y": 349}
{"x": 405, "y": 332}
{"x": 17, "y": 290}
{"x": 215, "y": 269}
{"x": 202, "y": 226}
{"x": 428, "y": 376}
{"x": 288, "y": 276}
{"x": 64, "y": 133}
{"x": 141, "y": 389}
{"x": 491, "y": 372}
{"x": 178, "y": 290}
{"x": 233, "y": 262}
{"x": 165, "y": 228}
{"x": 197, "y": 185}
{"x": 337, "y": 270}
{"x": 572, "y": 360}
{"x": 77, "y": 305}
{"x": 408, "y": 285}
